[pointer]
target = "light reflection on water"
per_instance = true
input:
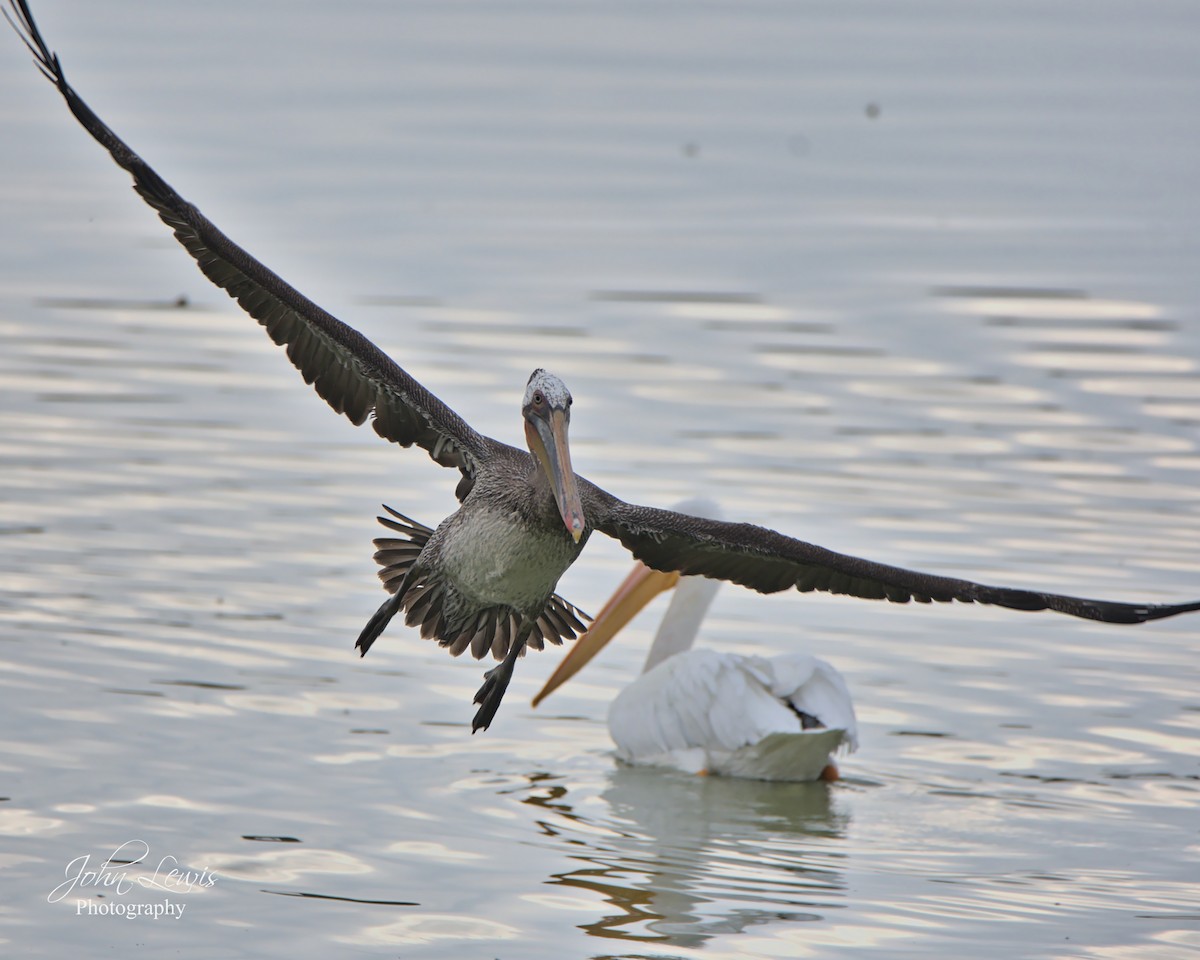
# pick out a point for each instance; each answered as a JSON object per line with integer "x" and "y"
{"x": 926, "y": 337}
{"x": 203, "y": 644}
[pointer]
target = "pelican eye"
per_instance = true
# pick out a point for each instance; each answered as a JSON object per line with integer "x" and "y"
{"x": 538, "y": 400}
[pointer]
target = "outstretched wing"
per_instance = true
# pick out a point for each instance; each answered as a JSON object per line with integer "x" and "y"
{"x": 353, "y": 375}
{"x": 768, "y": 562}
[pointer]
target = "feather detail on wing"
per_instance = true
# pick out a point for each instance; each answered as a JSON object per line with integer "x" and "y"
{"x": 768, "y": 562}
{"x": 813, "y": 688}
{"x": 348, "y": 371}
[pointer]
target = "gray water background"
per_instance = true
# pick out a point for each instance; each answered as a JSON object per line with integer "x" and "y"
{"x": 913, "y": 281}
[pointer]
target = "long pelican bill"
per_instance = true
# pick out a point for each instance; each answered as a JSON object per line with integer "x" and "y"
{"x": 549, "y": 443}
{"x": 638, "y": 589}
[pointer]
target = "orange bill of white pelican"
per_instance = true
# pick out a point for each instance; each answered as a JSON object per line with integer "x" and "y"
{"x": 638, "y": 589}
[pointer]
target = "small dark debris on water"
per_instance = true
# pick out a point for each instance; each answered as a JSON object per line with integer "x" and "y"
{"x": 266, "y": 839}
{"x": 248, "y": 616}
{"x": 201, "y": 684}
{"x": 20, "y": 530}
{"x": 326, "y": 896}
{"x": 921, "y": 733}
{"x": 180, "y": 302}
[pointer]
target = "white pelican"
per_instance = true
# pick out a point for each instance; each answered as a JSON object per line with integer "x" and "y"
{"x": 700, "y": 711}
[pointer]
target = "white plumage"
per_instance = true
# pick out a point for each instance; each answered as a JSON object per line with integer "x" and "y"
{"x": 776, "y": 718}
{"x": 717, "y": 712}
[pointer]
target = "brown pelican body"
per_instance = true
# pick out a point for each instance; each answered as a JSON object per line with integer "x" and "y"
{"x": 484, "y": 579}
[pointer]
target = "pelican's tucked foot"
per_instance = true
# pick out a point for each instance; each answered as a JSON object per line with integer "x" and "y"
{"x": 375, "y": 626}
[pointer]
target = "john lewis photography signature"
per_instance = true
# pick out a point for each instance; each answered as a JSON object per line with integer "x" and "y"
{"x": 126, "y": 869}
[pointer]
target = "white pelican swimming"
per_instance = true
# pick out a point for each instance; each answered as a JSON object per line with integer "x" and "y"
{"x": 700, "y": 711}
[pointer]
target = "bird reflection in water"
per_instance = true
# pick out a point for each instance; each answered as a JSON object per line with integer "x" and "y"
{"x": 682, "y": 859}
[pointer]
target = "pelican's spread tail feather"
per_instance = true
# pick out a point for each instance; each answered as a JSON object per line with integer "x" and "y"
{"x": 425, "y": 602}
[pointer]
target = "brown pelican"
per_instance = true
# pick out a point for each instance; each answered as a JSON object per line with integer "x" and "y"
{"x": 485, "y": 578}
{"x": 700, "y": 711}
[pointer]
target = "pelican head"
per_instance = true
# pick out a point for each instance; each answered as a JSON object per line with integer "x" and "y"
{"x": 547, "y": 412}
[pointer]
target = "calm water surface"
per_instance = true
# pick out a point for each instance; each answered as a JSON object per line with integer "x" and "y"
{"x": 917, "y": 282}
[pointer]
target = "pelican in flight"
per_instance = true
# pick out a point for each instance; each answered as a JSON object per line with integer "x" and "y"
{"x": 700, "y": 711}
{"x": 485, "y": 578}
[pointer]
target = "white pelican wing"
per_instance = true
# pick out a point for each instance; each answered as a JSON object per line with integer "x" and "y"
{"x": 813, "y": 687}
